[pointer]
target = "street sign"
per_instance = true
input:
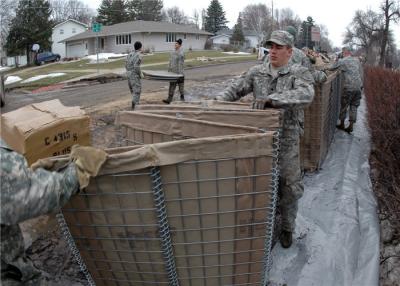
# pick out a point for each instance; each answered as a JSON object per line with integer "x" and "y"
{"x": 315, "y": 34}
{"x": 96, "y": 27}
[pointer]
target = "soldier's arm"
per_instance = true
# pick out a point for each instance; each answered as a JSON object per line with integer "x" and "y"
{"x": 136, "y": 67}
{"x": 241, "y": 87}
{"x": 335, "y": 66}
{"x": 300, "y": 95}
{"x": 27, "y": 194}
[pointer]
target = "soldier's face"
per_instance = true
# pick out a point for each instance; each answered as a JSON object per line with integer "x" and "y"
{"x": 279, "y": 55}
{"x": 177, "y": 46}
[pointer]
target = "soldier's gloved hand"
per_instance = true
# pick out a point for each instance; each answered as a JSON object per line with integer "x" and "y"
{"x": 88, "y": 161}
{"x": 46, "y": 164}
{"x": 262, "y": 103}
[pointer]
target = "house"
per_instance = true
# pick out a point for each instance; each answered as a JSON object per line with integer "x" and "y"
{"x": 155, "y": 36}
{"x": 223, "y": 38}
{"x": 66, "y": 30}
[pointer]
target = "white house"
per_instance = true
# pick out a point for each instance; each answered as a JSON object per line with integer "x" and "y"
{"x": 66, "y": 30}
{"x": 155, "y": 36}
{"x": 223, "y": 38}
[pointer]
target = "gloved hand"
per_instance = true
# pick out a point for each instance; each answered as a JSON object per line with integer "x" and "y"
{"x": 262, "y": 103}
{"x": 46, "y": 164}
{"x": 88, "y": 161}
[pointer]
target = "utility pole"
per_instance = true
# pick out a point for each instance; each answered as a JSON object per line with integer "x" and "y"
{"x": 272, "y": 14}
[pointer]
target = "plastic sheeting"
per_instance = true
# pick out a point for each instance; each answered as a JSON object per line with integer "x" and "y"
{"x": 337, "y": 232}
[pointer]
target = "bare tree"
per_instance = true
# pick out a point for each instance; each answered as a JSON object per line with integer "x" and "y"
{"x": 196, "y": 18}
{"x": 391, "y": 13}
{"x": 7, "y": 13}
{"x": 325, "y": 43}
{"x": 176, "y": 15}
{"x": 71, "y": 9}
{"x": 257, "y": 17}
{"x": 288, "y": 18}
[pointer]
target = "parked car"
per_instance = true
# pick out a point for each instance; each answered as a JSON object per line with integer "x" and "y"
{"x": 45, "y": 57}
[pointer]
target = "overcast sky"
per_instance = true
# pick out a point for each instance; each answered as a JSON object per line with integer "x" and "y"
{"x": 336, "y": 15}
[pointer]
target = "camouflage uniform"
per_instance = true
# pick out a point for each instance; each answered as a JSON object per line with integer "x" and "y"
{"x": 292, "y": 90}
{"x": 176, "y": 61}
{"x": 353, "y": 82}
{"x": 27, "y": 194}
{"x": 133, "y": 73}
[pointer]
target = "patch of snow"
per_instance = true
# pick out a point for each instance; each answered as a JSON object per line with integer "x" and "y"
{"x": 238, "y": 53}
{"x": 35, "y": 78}
{"x": 11, "y": 79}
{"x": 103, "y": 57}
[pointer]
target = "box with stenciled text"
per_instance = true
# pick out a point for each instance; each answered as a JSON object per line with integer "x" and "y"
{"x": 45, "y": 129}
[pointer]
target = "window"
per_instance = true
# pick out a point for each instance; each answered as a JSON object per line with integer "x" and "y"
{"x": 197, "y": 37}
{"x": 73, "y": 30}
{"x": 61, "y": 31}
{"x": 170, "y": 37}
{"x": 123, "y": 39}
{"x": 184, "y": 36}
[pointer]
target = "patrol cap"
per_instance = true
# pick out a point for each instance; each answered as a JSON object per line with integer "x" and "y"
{"x": 281, "y": 38}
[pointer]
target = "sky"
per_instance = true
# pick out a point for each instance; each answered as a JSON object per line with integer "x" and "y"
{"x": 335, "y": 15}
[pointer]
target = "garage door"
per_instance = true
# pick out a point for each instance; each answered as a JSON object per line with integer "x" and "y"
{"x": 76, "y": 50}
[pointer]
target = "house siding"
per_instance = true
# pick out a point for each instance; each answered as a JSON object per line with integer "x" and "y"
{"x": 56, "y": 37}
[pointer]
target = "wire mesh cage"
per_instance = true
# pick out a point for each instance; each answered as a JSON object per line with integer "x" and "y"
{"x": 187, "y": 212}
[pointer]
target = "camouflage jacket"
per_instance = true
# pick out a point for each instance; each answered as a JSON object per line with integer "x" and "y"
{"x": 27, "y": 194}
{"x": 133, "y": 62}
{"x": 176, "y": 61}
{"x": 352, "y": 71}
{"x": 298, "y": 57}
{"x": 292, "y": 90}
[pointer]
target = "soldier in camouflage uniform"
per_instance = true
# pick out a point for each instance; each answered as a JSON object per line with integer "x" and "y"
{"x": 28, "y": 193}
{"x": 290, "y": 87}
{"x": 176, "y": 61}
{"x": 134, "y": 73}
{"x": 353, "y": 83}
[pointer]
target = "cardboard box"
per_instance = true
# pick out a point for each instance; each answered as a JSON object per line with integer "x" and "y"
{"x": 45, "y": 129}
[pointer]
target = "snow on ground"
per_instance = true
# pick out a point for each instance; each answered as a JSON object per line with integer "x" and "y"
{"x": 337, "y": 228}
{"x": 103, "y": 57}
{"x": 11, "y": 79}
{"x": 35, "y": 78}
{"x": 238, "y": 53}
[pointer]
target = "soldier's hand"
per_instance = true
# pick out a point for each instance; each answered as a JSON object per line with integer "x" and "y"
{"x": 88, "y": 161}
{"x": 46, "y": 164}
{"x": 262, "y": 103}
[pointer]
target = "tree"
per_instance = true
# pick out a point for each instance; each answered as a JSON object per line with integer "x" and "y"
{"x": 288, "y": 18}
{"x": 325, "y": 43}
{"x": 31, "y": 25}
{"x": 391, "y": 13}
{"x": 237, "y": 36}
{"x": 215, "y": 17}
{"x": 196, "y": 18}
{"x": 176, "y": 16}
{"x": 257, "y": 18}
{"x": 63, "y": 10}
{"x": 149, "y": 10}
{"x": 112, "y": 12}
{"x": 7, "y": 12}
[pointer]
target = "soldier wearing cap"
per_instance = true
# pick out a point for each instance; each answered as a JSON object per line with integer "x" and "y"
{"x": 134, "y": 74}
{"x": 176, "y": 61}
{"x": 277, "y": 84}
{"x": 353, "y": 83}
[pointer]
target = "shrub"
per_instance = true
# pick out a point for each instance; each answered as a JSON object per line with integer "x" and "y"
{"x": 382, "y": 91}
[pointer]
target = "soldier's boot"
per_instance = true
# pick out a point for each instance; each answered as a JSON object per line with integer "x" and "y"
{"x": 168, "y": 100}
{"x": 341, "y": 125}
{"x": 349, "y": 129}
{"x": 182, "y": 97}
{"x": 286, "y": 238}
{"x": 133, "y": 105}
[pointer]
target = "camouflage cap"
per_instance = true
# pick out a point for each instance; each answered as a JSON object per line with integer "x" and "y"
{"x": 281, "y": 38}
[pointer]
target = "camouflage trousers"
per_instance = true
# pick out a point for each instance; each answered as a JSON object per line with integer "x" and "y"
{"x": 172, "y": 86}
{"x": 290, "y": 184}
{"x": 350, "y": 100}
{"x": 135, "y": 86}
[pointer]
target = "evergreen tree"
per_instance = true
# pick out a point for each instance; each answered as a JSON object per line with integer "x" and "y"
{"x": 112, "y": 12}
{"x": 238, "y": 36}
{"x": 149, "y": 10}
{"x": 215, "y": 17}
{"x": 31, "y": 25}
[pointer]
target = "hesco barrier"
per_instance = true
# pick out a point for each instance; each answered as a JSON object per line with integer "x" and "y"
{"x": 320, "y": 120}
{"x": 187, "y": 212}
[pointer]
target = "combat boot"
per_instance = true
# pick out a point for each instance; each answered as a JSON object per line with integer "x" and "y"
{"x": 133, "y": 105}
{"x": 349, "y": 129}
{"x": 169, "y": 99}
{"x": 182, "y": 97}
{"x": 286, "y": 238}
{"x": 341, "y": 125}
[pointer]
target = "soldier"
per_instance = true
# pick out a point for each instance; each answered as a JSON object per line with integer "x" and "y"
{"x": 134, "y": 73}
{"x": 353, "y": 83}
{"x": 176, "y": 61}
{"x": 290, "y": 87}
{"x": 27, "y": 193}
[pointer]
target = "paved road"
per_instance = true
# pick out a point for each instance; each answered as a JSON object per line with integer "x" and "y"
{"x": 100, "y": 94}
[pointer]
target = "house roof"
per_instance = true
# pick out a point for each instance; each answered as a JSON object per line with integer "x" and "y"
{"x": 229, "y": 32}
{"x": 71, "y": 20}
{"x": 137, "y": 27}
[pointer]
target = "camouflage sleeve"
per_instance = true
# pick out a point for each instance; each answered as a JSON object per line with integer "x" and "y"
{"x": 335, "y": 66}
{"x": 27, "y": 194}
{"x": 241, "y": 87}
{"x": 136, "y": 65}
{"x": 301, "y": 93}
